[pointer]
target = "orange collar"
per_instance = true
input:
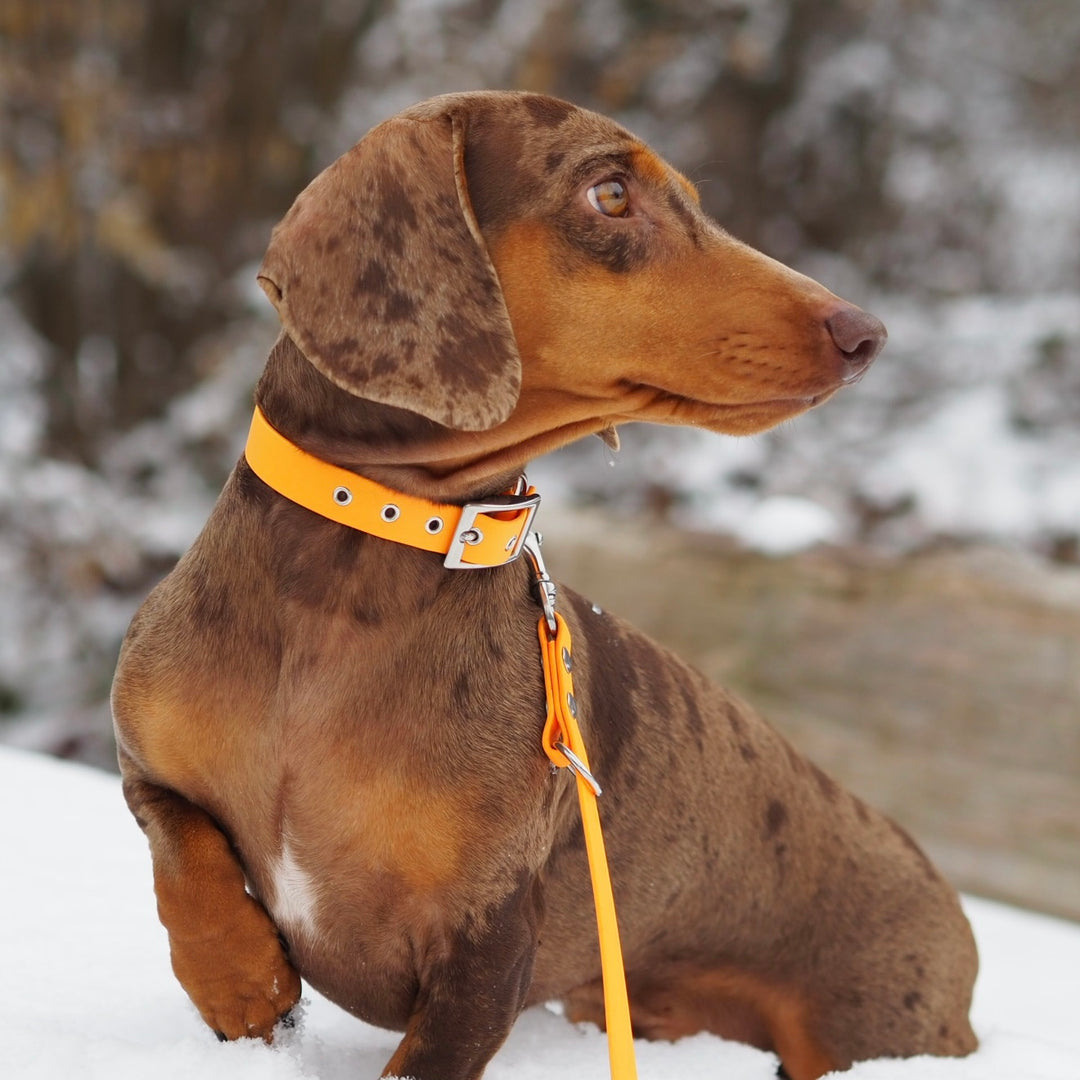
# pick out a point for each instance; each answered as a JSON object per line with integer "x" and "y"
{"x": 473, "y": 536}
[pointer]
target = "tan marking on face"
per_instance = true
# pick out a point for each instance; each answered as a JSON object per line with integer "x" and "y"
{"x": 739, "y": 356}
{"x": 689, "y": 187}
{"x": 650, "y": 166}
{"x": 654, "y": 169}
{"x": 599, "y": 347}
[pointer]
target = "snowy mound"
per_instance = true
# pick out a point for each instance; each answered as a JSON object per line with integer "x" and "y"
{"x": 87, "y": 990}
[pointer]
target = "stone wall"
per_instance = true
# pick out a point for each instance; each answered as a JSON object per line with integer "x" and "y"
{"x": 944, "y": 688}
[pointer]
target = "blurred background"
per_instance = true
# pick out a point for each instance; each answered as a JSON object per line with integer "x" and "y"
{"x": 894, "y": 579}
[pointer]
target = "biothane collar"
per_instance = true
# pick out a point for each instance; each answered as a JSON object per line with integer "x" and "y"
{"x": 471, "y": 537}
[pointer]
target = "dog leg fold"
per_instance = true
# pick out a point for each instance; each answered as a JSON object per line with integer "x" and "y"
{"x": 225, "y": 949}
{"x": 469, "y": 1001}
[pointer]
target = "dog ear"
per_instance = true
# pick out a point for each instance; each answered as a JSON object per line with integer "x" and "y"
{"x": 380, "y": 275}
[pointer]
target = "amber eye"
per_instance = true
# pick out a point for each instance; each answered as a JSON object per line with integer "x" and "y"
{"x": 610, "y": 198}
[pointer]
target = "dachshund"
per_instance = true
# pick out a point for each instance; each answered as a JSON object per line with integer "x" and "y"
{"x": 332, "y": 739}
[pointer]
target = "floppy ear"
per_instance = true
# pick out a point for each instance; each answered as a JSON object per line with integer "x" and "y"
{"x": 380, "y": 275}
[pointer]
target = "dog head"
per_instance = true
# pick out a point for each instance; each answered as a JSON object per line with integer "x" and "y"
{"x": 509, "y": 264}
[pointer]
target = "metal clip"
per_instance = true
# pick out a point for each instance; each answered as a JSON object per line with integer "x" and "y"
{"x": 545, "y": 587}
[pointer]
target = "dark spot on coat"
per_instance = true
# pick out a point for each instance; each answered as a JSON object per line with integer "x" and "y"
{"x": 738, "y": 729}
{"x": 693, "y": 714}
{"x": 548, "y": 111}
{"x": 211, "y": 605}
{"x": 499, "y": 185}
{"x": 554, "y": 160}
{"x": 605, "y": 242}
{"x": 382, "y": 364}
{"x": 366, "y": 614}
{"x": 912, "y": 1000}
{"x": 462, "y": 691}
{"x": 687, "y": 217}
{"x": 494, "y": 647}
{"x": 399, "y": 307}
{"x": 338, "y": 354}
{"x": 397, "y": 208}
{"x": 467, "y": 359}
{"x": 451, "y": 256}
{"x": 776, "y": 817}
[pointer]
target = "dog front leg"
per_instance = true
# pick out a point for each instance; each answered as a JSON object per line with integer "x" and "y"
{"x": 225, "y": 950}
{"x": 469, "y": 1000}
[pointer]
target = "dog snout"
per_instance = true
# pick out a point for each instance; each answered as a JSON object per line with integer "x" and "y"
{"x": 859, "y": 336}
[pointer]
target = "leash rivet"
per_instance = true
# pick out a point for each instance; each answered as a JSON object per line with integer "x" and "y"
{"x": 571, "y": 704}
{"x": 390, "y": 512}
{"x": 471, "y": 536}
{"x": 342, "y": 496}
{"x": 567, "y": 662}
{"x": 434, "y": 525}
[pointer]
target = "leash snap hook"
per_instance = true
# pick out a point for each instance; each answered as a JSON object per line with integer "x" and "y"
{"x": 545, "y": 587}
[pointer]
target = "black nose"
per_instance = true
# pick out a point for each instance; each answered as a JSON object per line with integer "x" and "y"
{"x": 858, "y": 335}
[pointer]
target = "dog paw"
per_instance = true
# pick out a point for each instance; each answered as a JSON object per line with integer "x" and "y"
{"x": 252, "y": 1012}
{"x": 240, "y": 980}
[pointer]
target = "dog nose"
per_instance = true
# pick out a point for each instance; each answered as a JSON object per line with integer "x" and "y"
{"x": 858, "y": 335}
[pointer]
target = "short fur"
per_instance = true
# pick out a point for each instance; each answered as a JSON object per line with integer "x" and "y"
{"x": 353, "y": 731}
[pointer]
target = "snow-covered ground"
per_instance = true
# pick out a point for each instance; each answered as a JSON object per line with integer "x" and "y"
{"x": 87, "y": 992}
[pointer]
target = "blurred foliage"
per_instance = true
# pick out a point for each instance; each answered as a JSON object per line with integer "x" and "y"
{"x": 146, "y": 146}
{"x": 144, "y": 149}
{"x": 925, "y": 148}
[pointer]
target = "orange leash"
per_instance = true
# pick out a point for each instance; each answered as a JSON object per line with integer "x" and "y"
{"x": 565, "y": 748}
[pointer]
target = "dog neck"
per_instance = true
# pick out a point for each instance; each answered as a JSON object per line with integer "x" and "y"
{"x": 405, "y": 451}
{"x": 394, "y": 447}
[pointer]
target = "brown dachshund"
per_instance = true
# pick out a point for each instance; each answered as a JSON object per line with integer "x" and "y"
{"x": 332, "y": 740}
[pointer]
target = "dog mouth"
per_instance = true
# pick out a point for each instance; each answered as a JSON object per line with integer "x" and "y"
{"x": 736, "y": 417}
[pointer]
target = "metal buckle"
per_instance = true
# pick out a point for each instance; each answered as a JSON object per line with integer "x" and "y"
{"x": 466, "y": 533}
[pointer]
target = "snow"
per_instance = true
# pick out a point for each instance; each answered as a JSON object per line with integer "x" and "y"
{"x": 88, "y": 992}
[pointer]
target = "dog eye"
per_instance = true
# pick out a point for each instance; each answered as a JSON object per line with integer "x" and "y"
{"x": 610, "y": 198}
